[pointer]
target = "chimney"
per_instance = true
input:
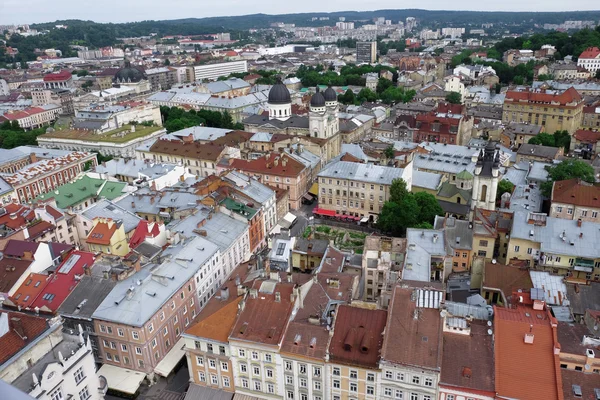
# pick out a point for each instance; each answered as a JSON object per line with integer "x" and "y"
{"x": 87, "y": 270}
{"x": 253, "y": 293}
{"x": 529, "y": 338}
{"x": 33, "y": 158}
{"x": 152, "y": 200}
{"x": 224, "y": 293}
{"x": 284, "y": 161}
{"x": 203, "y": 232}
{"x": 278, "y": 297}
{"x": 579, "y": 222}
{"x": 27, "y": 255}
{"x": 133, "y": 204}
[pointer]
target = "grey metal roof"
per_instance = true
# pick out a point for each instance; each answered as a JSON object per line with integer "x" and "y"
{"x": 121, "y": 166}
{"x": 261, "y": 137}
{"x": 296, "y": 121}
{"x": 356, "y": 151}
{"x": 8, "y": 155}
{"x": 538, "y": 172}
{"x": 4, "y": 186}
{"x": 196, "y": 392}
{"x": 426, "y": 180}
{"x": 369, "y": 173}
{"x": 87, "y": 296}
{"x": 515, "y": 176}
{"x": 202, "y": 133}
{"x": 136, "y": 299}
{"x": 584, "y": 297}
{"x": 225, "y": 86}
{"x": 458, "y": 234}
{"x": 526, "y": 198}
{"x": 422, "y": 245}
{"x": 550, "y": 236}
{"x": 252, "y": 188}
{"x": 107, "y": 209}
{"x": 153, "y": 171}
{"x": 538, "y": 150}
{"x": 221, "y": 229}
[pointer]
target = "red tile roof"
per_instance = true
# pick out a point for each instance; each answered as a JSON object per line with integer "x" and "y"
{"x": 29, "y": 290}
{"x": 17, "y": 216}
{"x": 468, "y": 360}
{"x": 102, "y": 232}
{"x": 15, "y": 115}
{"x": 10, "y": 271}
{"x": 567, "y": 97}
{"x": 63, "y": 281}
{"x": 63, "y": 75}
{"x": 357, "y": 336}
{"x": 416, "y": 342}
{"x": 271, "y": 164}
{"x": 194, "y": 150}
{"x": 20, "y": 326}
{"x": 39, "y": 228}
{"x": 506, "y": 278}
{"x": 144, "y": 230}
{"x": 587, "y": 136}
{"x": 526, "y": 371}
{"x": 590, "y": 52}
{"x": 264, "y": 320}
{"x": 576, "y": 192}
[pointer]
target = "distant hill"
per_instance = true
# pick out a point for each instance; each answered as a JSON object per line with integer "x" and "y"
{"x": 195, "y": 26}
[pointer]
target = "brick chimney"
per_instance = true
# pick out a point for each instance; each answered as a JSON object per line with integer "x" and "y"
{"x": 27, "y": 255}
{"x": 33, "y": 158}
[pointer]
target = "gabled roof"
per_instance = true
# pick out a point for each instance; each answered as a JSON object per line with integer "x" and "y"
{"x": 577, "y": 192}
{"x": 102, "y": 232}
{"x": 590, "y": 52}
{"x": 357, "y": 336}
{"x": 23, "y": 329}
{"x": 569, "y": 96}
{"x": 264, "y": 319}
{"x": 194, "y": 150}
{"x": 144, "y": 229}
{"x": 507, "y": 278}
{"x": 527, "y": 371}
{"x": 271, "y": 164}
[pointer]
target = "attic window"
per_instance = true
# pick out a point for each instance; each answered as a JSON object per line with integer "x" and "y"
{"x": 466, "y": 372}
{"x": 576, "y": 390}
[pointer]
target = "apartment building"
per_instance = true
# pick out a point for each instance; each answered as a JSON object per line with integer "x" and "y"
{"x": 575, "y": 199}
{"x": 141, "y": 320}
{"x": 199, "y": 159}
{"x": 161, "y": 78}
{"x": 590, "y": 59}
{"x": 382, "y": 261}
{"x": 554, "y": 112}
{"x": 46, "y": 175}
{"x": 556, "y": 245}
{"x": 446, "y": 125}
{"x": 213, "y": 71}
{"x": 33, "y": 117}
{"x": 256, "y": 338}
{"x": 279, "y": 170}
{"x": 366, "y": 52}
{"x": 354, "y": 353}
{"x": 358, "y": 190}
{"x": 108, "y": 236}
{"x": 410, "y": 369}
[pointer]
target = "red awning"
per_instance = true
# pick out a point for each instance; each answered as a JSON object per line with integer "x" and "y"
{"x": 321, "y": 211}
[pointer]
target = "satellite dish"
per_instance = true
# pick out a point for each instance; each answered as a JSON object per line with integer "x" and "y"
{"x": 489, "y": 323}
{"x": 587, "y": 366}
{"x": 443, "y": 313}
{"x": 494, "y": 261}
{"x": 490, "y": 332}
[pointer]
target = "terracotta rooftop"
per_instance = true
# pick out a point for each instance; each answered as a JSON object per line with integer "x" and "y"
{"x": 39, "y": 228}
{"x": 17, "y": 216}
{"x": 576, "y": 192}
{"x": 218, "y": 316}
{"x": 567, "y": 97}
{"x": 357, "y": 336}
{"x": 29, "y": 290}
{"x": 194, "y": 150}
{"x": 102, "y": 232}
{"x": 45, "y": 166}
{"x": 20, "y": 326}
{"x": 416, "y": 341}
{"x": 270, "y": 164}
{"x": 507, "y": 278}
{"x": 265, "y": 318}
{"x": 468, "y": 360}
{"x": 590, "y": 52}
{"x": 233, "y": 138}
{"x": 63, "y": 75}
{"x": 527, "y": 371}
{"x": 143, "y": 230}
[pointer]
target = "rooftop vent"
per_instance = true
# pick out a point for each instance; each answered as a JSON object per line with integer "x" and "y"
{"x": 529, "y": 338}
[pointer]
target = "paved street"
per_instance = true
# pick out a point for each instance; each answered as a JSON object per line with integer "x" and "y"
{"x": 172, "y": 389}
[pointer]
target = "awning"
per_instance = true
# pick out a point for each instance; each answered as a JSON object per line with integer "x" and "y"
{"x": 364, "y": 220}
{"x": 308, "y": 197}
{"x": 314, "y": 189}
{"x": 172, "y": 358}
{"x": 121, "y": 379}
{"x": 321, "y": 211}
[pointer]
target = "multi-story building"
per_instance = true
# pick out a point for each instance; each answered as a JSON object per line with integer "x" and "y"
{"x": 382, "y": 262}
{"x": 58, "y": 80}
{"x": 44, "y": 362}
{"x": 46, "y": 175}
{"x": 214, "y": 71}
{"x": 537, "y": 152}
{"x": 446, "y": 125}
{"x": 256, "y": 338}
{"x": 590, "y": 59}
{"x": 161, "y": 78}
{"x": 33, "y": 117}
{"x": 59, "y": 97}
{"x": 108, "y": 236}
{"x": 458, "y": 235}
{"x": 576, "y": 200}
{"x": 409, "y": 369}
{"x": 357, "y": 190}
{"x": 354, "y": 353}
{"x": 556, "y": 245}
{"x": 366, "y": 52}
{"x": 279, "y": 170}
{"x": 200, "y": 159}
{"x": 555, "y": 112}
{"x": 141, "y": 319}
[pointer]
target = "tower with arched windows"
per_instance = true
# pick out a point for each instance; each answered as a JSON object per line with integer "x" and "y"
{"x": 487, "y": 176}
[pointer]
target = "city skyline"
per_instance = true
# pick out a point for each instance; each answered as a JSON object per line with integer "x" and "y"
{"x": 36, "y": 11}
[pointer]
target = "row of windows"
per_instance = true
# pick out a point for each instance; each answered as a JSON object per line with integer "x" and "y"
{"x": 353, "y": 374}
{"x": 212, "y": 363}
{"x": 400, "y": 395}
{"x": 415, "y": 379}
{"x": 254, "y": 355}
{"x": 303, "y": 369}
{"x": 302, "y": 382}
{"x": 214, "y": 379}
{"x": 352, "y": 184}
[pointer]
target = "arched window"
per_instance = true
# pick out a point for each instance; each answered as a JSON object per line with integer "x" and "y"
{"x": 483, "y": 193}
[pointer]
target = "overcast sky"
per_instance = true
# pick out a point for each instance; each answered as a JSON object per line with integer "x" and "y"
{"x": 31, "y": 11}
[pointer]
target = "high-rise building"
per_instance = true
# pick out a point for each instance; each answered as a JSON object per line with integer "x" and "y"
{"x": 366, "y": 52}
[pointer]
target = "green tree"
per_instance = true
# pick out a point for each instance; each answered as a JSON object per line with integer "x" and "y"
{"x": 389, "y": 152}
{"x": 504, "y": 186}
{"x": 567, "y": 169}
{"x": 562, "y": 139}
{"x": 367, "y": 94}
{"x": 544, "y": 139}
{"x": 347, "y": 98}
{"x": 428, "y": 207}
{"x": 383, "y": 84}
{"x": 398, "y": 190}
{"x": 167, "y": 61}
{"x": 454, "y": 98}
{"x": 518, "y": 80}
{"x": 598, "y": 74}
{"x": 545, "y": 77}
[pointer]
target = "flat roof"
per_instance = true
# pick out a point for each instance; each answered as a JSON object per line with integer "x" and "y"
{"x": 121, "y": 379}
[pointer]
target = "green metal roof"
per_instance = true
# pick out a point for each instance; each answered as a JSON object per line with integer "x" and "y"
{"x": 83, "y": 188}
{"x": 239, "y": 208}
{"x": 464, "y": 175}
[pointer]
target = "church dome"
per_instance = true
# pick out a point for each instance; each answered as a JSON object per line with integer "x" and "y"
{"x": 129, "y": 74}
{"x": 279, "y": 94}
{"x": 317, "y": 99}
{"x": 330, "y": 94}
